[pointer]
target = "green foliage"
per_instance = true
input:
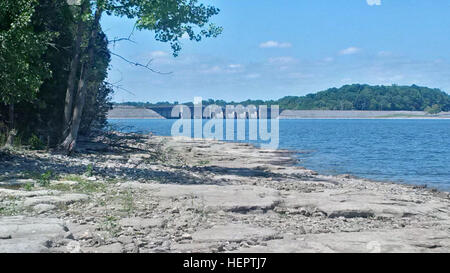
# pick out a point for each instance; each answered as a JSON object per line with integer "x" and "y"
{"x": 433, "y": 110}
{"x": 22, "y": 69}
{"x": 75, "y": 178}
{"x": 3, "y": 138}
{"x": 365, "y": 97}
{"x": 37, "y": 46}
{"x": 83, "y": 185}
{"x": 17, "y": 142}
{"x": 110, "y": 224}
{"x": 44, "y": 179}
{"x": 169, "y": 19}
{"x": 127, "y": 200}
{"x": 35, "y": 143}
{"x": 89, "y": 170}
{"x": 204, "y": 162}
{"x": 349, "y": 97}
{"x": 40, "y": 113}
{"x": 11, "y": 207}
{"x": 28, "y": 186}
{"x": 98, "y": 98}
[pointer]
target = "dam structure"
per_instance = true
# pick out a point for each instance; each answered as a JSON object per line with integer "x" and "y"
{"x": 215, "y": 112}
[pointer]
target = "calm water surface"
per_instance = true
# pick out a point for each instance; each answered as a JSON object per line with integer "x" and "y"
{"x": 403, "y": 151}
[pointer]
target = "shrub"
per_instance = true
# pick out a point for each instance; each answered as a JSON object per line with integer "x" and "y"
{"x": 35, "y": 143}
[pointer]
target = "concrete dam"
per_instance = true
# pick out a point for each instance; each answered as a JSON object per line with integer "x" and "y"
{"x": 191, "y": 112}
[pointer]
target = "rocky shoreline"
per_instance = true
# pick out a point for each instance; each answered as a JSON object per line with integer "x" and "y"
{"x": 150, "y": 194}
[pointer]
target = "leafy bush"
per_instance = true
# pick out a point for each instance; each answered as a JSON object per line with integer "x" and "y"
{"x": 433, "y": 110}
{"x": 35, "y": 143}
{"x": 89, "y": 170}
{"x": 44, "y": 179}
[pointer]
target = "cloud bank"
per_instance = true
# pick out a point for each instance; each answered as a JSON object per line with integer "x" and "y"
{"x": 374, "y": 2}
{"x": 275, "y": 44}
{"x": 349, "y": 51}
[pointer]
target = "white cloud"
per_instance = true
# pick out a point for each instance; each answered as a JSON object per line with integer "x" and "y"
{"x": 374, "y": 2}
{"x": 234, "y": 66}
{"x": 158, "y": 54}
{"x": 212, "y": 70}
{"x": 275, "y": 44}
{"x": 185, "y": 36}
{"x": 349, "y": 51}
{"x": 282, "y": 60}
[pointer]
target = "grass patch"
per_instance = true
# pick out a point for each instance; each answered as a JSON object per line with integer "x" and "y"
{"x": 74, "y": 178}
{"x": 89, "y": 170}
{"x": 90, "y": 187}
{"x": 109, "y": 224}
{"x": 83, "y": 185}
{"x": 127, "y": 201}
{"x": 28, "y": 186}
{"x": 10, "y": 207}
{"x": 61, "y": 187}
{"x": 44, "y": 179}
{"x": 204, "y": 162}
{"x": 113, "y": 180}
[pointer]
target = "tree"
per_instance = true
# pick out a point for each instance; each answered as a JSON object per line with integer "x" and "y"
{"x": 22, "y": 69}
{"x": 354, "y": 97}
{"x": 433, "y": 110}
{"x": 169, "y": 19}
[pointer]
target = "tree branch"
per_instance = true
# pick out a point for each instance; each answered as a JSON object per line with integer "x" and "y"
{"x": 147, "y": 66}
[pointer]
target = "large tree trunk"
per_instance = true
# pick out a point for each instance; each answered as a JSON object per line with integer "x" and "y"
{"x": 71, "y": 81}
{"x": 70, "y": 141}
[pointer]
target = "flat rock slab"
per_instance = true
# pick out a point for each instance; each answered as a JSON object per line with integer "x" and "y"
{"x": 113, "y": 248}
{"x": 211, "y": 197}
{"x": 23, "y": 193}
{"x": 28, "y": 234}
{"x": 388, "y": 241}
{"x": 64, "y": 199}
{"x": 43, "y": 208}
{"x": 16, "y": 182}
{"x": 233, "y": 233}
{"x": 193, "y": 248}
{"x": 342, "y": 203}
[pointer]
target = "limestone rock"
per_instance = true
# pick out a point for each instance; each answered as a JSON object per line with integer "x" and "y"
{"x": 29, "y": 234}
{"x": 233, "y": 233}
{"x": 65, "y": 199}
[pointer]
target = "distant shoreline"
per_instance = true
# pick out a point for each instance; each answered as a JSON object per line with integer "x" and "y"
{"x": 130, "y": 112}
{"x": 321, "y": 118}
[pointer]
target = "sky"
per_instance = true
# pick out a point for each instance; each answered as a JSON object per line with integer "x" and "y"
{"x": 274, "y": 48}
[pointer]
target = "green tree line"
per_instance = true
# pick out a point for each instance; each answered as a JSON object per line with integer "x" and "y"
{"x": 54, "y": 59}
{"x": 350, "y": 97}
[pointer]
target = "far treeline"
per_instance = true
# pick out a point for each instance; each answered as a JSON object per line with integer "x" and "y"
{"x": 54, "y": 60}
{"x": 349, "y": 97}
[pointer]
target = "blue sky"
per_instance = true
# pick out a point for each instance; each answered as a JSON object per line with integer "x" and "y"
{"x": 274, "y": 48}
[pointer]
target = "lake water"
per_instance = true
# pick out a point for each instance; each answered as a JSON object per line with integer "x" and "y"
{"x": 403, "y": 151}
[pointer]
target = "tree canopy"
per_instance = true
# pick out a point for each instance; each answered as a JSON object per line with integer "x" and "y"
{"x": 54, "y": 60}
{"x": 365, "y": 97}
{"x": 351, "y": 97}
{"x": 22, "y": 46}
